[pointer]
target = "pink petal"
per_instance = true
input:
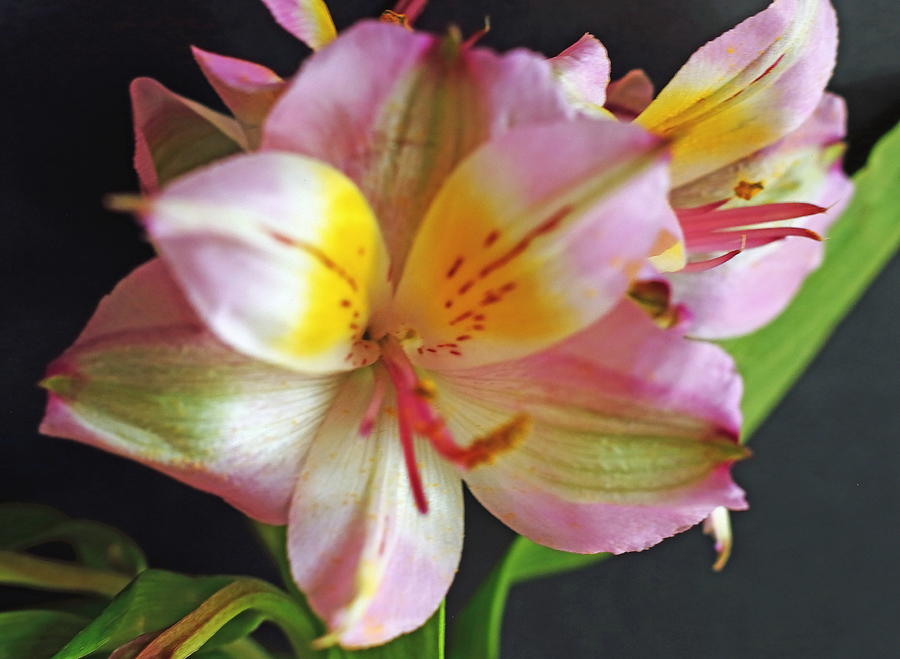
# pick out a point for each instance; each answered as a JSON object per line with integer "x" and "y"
{"x": 249, "y": 90}
{"x": 750, "y": 290}
{"x": 754, "y": 287}
{"x": 174, "y": 135}
{"x": 746, "y": 89}
{"x": 583, "y": 69}
{"x": 371, "y": 565}
{"x": 279, "y": 254}
{"x": 408, "y": 108}
{"x": 308, "y": 20}
{"x": 147, "y": 381}
{"x": 629, "y": 435}
{"x": 628, "y": 96}
{"x": 533, "y": 237}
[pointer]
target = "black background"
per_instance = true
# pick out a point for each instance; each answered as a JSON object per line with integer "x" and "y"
{"x": 814, "y": 573}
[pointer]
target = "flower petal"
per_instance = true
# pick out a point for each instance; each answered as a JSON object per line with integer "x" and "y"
{"x": 249, "y": 90}
{"x": 749, "y": 290}
{"x": 174, "y": 135}
{"x": 408, "y": 108}
{"x": 279, "y": 254}
{"x": 754, "y": 180}
{"x": 533, "y": 237}
{"x": 147, "y": 381}
{"x": 632, "y": 432}
{"x": 308, "y": 20}
{"x": 628, "y": 96}
{"x": 746, "y": 89}
{"x": 372, "y": 566}
{"x": 583, "y": 69}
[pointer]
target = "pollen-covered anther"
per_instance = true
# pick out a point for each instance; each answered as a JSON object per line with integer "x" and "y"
{"x": 747, "y": 189}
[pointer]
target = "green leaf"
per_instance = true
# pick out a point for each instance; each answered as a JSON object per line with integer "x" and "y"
{"x": 33, "y": 572}
{"x": 155, "y": 600}
{"x": 36, "y": 634}
{"x": 243, "y": 648}
{"x": 477, "y": 631}
{"x": 858, "y": 245}
{"x": 96, "y": 545}
{"x": 237, "y": 599}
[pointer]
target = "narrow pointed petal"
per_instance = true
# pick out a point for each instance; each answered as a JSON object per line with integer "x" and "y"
{"x": 583, "y": 69}
{"x": 532, "y": 238}
{"x": 371, "y": 565}
{"x": 751, "y": 289}
{"x": 747, "y": 88}
{"x": 249, "y": 90}
{"x": 628, "y": 96}
{"x": 174, "y": 135}
{"x": 146, "y": 380}
{"x": 279, "y": 254}
{"x": 631, "y": 432}
{"x": 308, "y": 20}
{"x": 410, "y": 106}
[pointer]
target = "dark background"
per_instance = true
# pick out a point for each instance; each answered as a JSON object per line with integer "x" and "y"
{"x": 814, "y": 572}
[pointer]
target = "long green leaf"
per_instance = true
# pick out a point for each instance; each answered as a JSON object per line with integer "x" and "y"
{"x": 23, "y": 526}
{"x": 242, "y": 596}
{"x": 47, "y": 574}
{"x": 770, "y": 360}
{"x": 858, "y": 246}
{"x": 36, "y": 634}
{"x": 152, "y": 602}
{"x": 477, "y": 631}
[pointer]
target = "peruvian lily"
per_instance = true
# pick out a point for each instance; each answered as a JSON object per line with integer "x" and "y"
{"x": 420, "y": 278}
{"x": 756, "y": 175}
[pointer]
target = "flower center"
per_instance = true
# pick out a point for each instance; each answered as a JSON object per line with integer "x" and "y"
{"x": 418, "y": 416}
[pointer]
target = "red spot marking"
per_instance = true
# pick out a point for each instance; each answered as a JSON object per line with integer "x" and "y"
{"x": 345, "y": 303}
{"x": 455, "y": 267}
{"x": 354, "y": 326}
{"x": 490, "y": 297}
{"x": 507, "y": 287}
{"x": 478, "y": 327}
{"x": 431, "y": 350}
{"x": 548, "y": 225}
{"x": 283, "y": 239}
{"x": 768, "y": 70}
{"x": 491, "y": 238}
{"x": 419, "y": 350}
{"x": 448, "y": 304}
{"x": 326, "y": 261}
{"x": 356, "y": 314}
{"x": 461, "y": 317}
{"x": 463, "y": 337}
{"x": 446, "y": 345}
{"x": 465, "y": 287}
{"x": 479, "y": 317}
{"x": 455, "y": 352}
{"x": 349, "y": 356}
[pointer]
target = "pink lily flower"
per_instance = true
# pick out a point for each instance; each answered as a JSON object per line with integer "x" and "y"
{"x": 755, "y": 171}
{"x": 421, "y": 279}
